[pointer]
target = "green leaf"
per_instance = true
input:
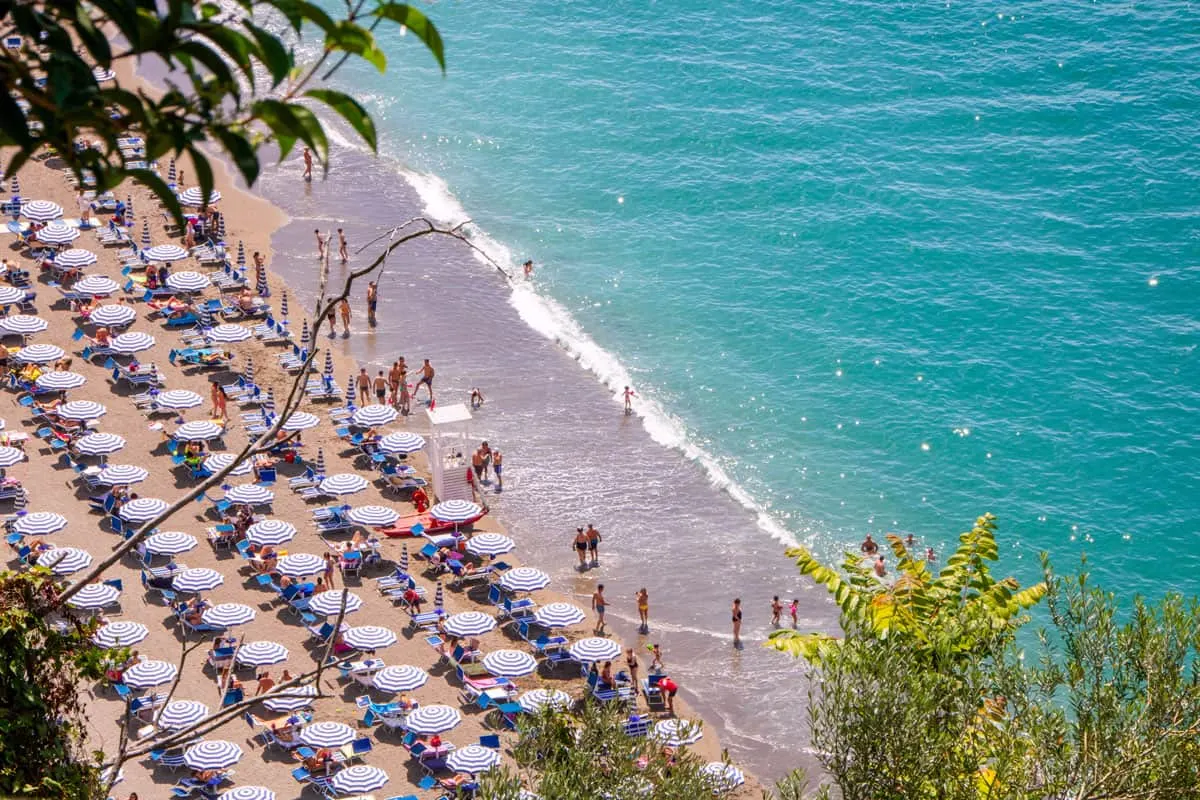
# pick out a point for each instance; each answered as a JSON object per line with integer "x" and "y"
{"x": 277, "y": 59}
{"x": 300, "y": 11}
{"x": 350, "y": 110}
{"x": 241, "y": 151}
{"x": 419, "y": 24}
{"x": 356, "y": 40}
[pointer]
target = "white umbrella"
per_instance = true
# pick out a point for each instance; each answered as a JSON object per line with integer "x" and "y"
{"x": 329, "y": 602}
{"x": 165, "y": 252}
{"x": 57, "y": 233}
{"x": 132, "y": 342}
{"x": 23, "y": 324}
{"x": 473, "y": 759}
{"x": 188, "y": 281}
{"x": 401, "y": 442}
{"x": 358, "y": 779}
{"x": 524, "y": 579}
{"x": 75, "y": 258}
{"x": 247, "y": 793}
{"x": 402, "y": 678}
{"x": 39, "y": 523}
{"x": 558, "y": 615}
{"x": 227, "y": 615}
{"x": 298, "y": 565}
{"x": 595, "y": 648}
{"x": 81, "y": 410}
{"x": 455, "y": 511}
{"x": 178, "y": 400}
{"x": 490, "y": 544}
{"x": 10, "y": 456}
{"x": 103, "y": 75}
{"x": 291, "y": 699}
{"x": 373, "y": 516}
{"x": 41, "y": 211}
{"x": 537, "y": 699}
{"x": 199, "y": 431}
{"x": 469, "y": 623}
{"x": 197, "y": 579}
{"x": 509, "y": 663}
{"x": 98, "y": 444}
{"x": 10, "y": 295}
{"x": 219, "y": 461}
{"x": 227, "y": 333}
{"x": 214, "y": 754}
{"x": 95, "y": 595}
{"x": 343, "y": 483}
{"x": 195, "y": 197}
{"x": 122, "y": 475}
{"x": 113, "y": 314}
{"x": 272, "y": 532}
{"x": 724, "y": 777}
{"x": 677, "y": 732}
{"x": 432, "y": 719}
{"x": 65, "y": 560}
{"x": 145, "y": 674}
{"x": 122, "y": 633}
{"x": 142, "y": 509}
{"x": 250, "y": 495}
{"x": 95, "y": 284}
{"x": 300, "y": 421}
{"x": 374, "y": 415}
{"x": 261, "y": 654}
{"x": 40, "y": 354}
{"x": 326, "y": 734}
{"x": 369, "y": 637}
{"x": 181, "y": 713}
{"x": 60, "y": 381}
{"x": 170, "y": 543}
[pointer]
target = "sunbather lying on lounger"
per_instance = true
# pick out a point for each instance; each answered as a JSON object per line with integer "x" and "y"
{"x": 171, "y": 304}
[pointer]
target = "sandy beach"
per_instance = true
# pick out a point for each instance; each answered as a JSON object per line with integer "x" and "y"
{"x": 52, "y": 488}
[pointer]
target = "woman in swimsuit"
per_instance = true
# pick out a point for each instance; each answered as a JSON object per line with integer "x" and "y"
{"x": 643, "y": 604}
{"x": 581, "y": 546}
{"x": 631, "y": 664}
{"x": 737, "y": 622}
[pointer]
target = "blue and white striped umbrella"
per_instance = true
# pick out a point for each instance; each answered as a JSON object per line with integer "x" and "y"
{"x": 328, "y": 371}
{"x": 39, "y": 523}
{"x": 241, "y": 253}
{"x": 350, "y": 392}
{"x": 98, "y": 444}
{"x": 82, "y": 410}
{"x": 292, "y": 698}
{"x": 188, "y": 281}
{"x": 594, "y": 648}
{"x": 369, "y": 637}
{"x": 132, "y": 342}
{"x": 439, "y": 596}
{"x": 261, "y": 654}
{"x": 113, "y": 314}
{"x": 142, "y": 509}
{"x": 41, "y": 211}
{"x": 677, "y": 732}
{"x": 300, "y": 421}
{"x": 251, "y": 495}
{"x": 198, "y": 431}
{"x": 57, "y": 233}
{"x": 75, "y": 258}
{"x": 221, "y": 230}
{"x": 145, "y": 674}
{"x": 536, "y": 699}
{"x": 122, "y": 475}
{"x": 401, "y": 443}
{"x": 171, "y": 171}
{"x": 473, "y": 759}
{"x": 247, "y": 792}
{"x": 196, "y": 197}
{"x": 103, "y": 75}
{"x": 23, "y": 325}
{"x": 248, "y": 370}
{"x": 40, "y": 354}
{"x": 228, "y": 333}
{"x": 219, "y": 461}
{"x": 343, "y": 483}
{"x": 269, "y": 403}
{"x": 95, "y": 285}
{"x": 490, "y": 544}
{"x": 358, "y": 779}
{"x": 123, "y": 633}
{"x": 95, "y": 595}
{"x": 456, "y": 511}
{"x": 146, "y": 240}
{"x": 271, "y": 531}
{"x": 723, "y": 777}
{"x": 373, "y": 516}
{"x": 65, "y": 560}
{"x": 524, "y": 579}
{"x": 558, "y": 615}
{"x": 297, "y": 565}
{"x": 469, "y": 623}
{"x": 165, "y": 253}
{"x": 509, "y": 663}
{"x": 10, "y": 295}
{"x": 374, "y": 415}
{"x": 283, "y": 304}
{"x": 181, "y": 713}
{"x": 214, "y": 754}
{"x": 402, "y": 678}
{"x": 197, "y": 579}
{"x": 402, "y": 562}
{"x": 10, "y": 456}
{"x": 15, "y": 185}
{"x": 227, "y": 615}
{"x": 178, "y": 399}
{"x": 129, "y": 206}
{"x": 261, "y": 287}
{"x": 329, "y": 603}
{"x": 428, "y": 720}
{"x": 326, "y": 734}
{"x": 319, "y": 467}
{"x": 170, "y": 543}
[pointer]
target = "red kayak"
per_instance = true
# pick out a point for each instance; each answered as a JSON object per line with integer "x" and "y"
{"x": 403, "y": 526}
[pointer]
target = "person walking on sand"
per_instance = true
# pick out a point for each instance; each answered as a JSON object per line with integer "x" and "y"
{"x": 598, "y": 603}
{"x": 580, "y": 545}
{"x": 308, "y": 164}
{"x": 218, "y": 400}
{"x": 343, "y": 248}
{"x": 628, "y": 395}
{"x": 593, "y": 542}
{"x": 656, "y": 659}
{"x": 498, "y": 468}
{"x": 372, "y": 302}
{"x": 631, "y": 664}
{"x": 643, "y": 604}
{"x": 380, "y": 388}
{"x": 364, "y": 387}
{"x": 85, "y": 209}
{"x": 426, "y": 380}
{"x": 331, "y": 562}
{"x": 344, "y": 308}
{"x": 776, "y": 611}
{"x": 736, "y": 613}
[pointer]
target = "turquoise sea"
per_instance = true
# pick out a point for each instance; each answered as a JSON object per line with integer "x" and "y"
{"x": 869, "y": 266}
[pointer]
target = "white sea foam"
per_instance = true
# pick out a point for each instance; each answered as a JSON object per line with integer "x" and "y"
{"x": 548, "y": 317}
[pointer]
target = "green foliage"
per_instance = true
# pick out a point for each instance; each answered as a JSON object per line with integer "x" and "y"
{"x": 41, "y": 714}
{"x": 959, "y": 613}
{"x": 234, "y": 83}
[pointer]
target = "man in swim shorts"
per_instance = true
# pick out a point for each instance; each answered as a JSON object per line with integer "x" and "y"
{"x": 598, "y": 603}
{"x": 372, "y": 301}
{"x": 426, "y": 380}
